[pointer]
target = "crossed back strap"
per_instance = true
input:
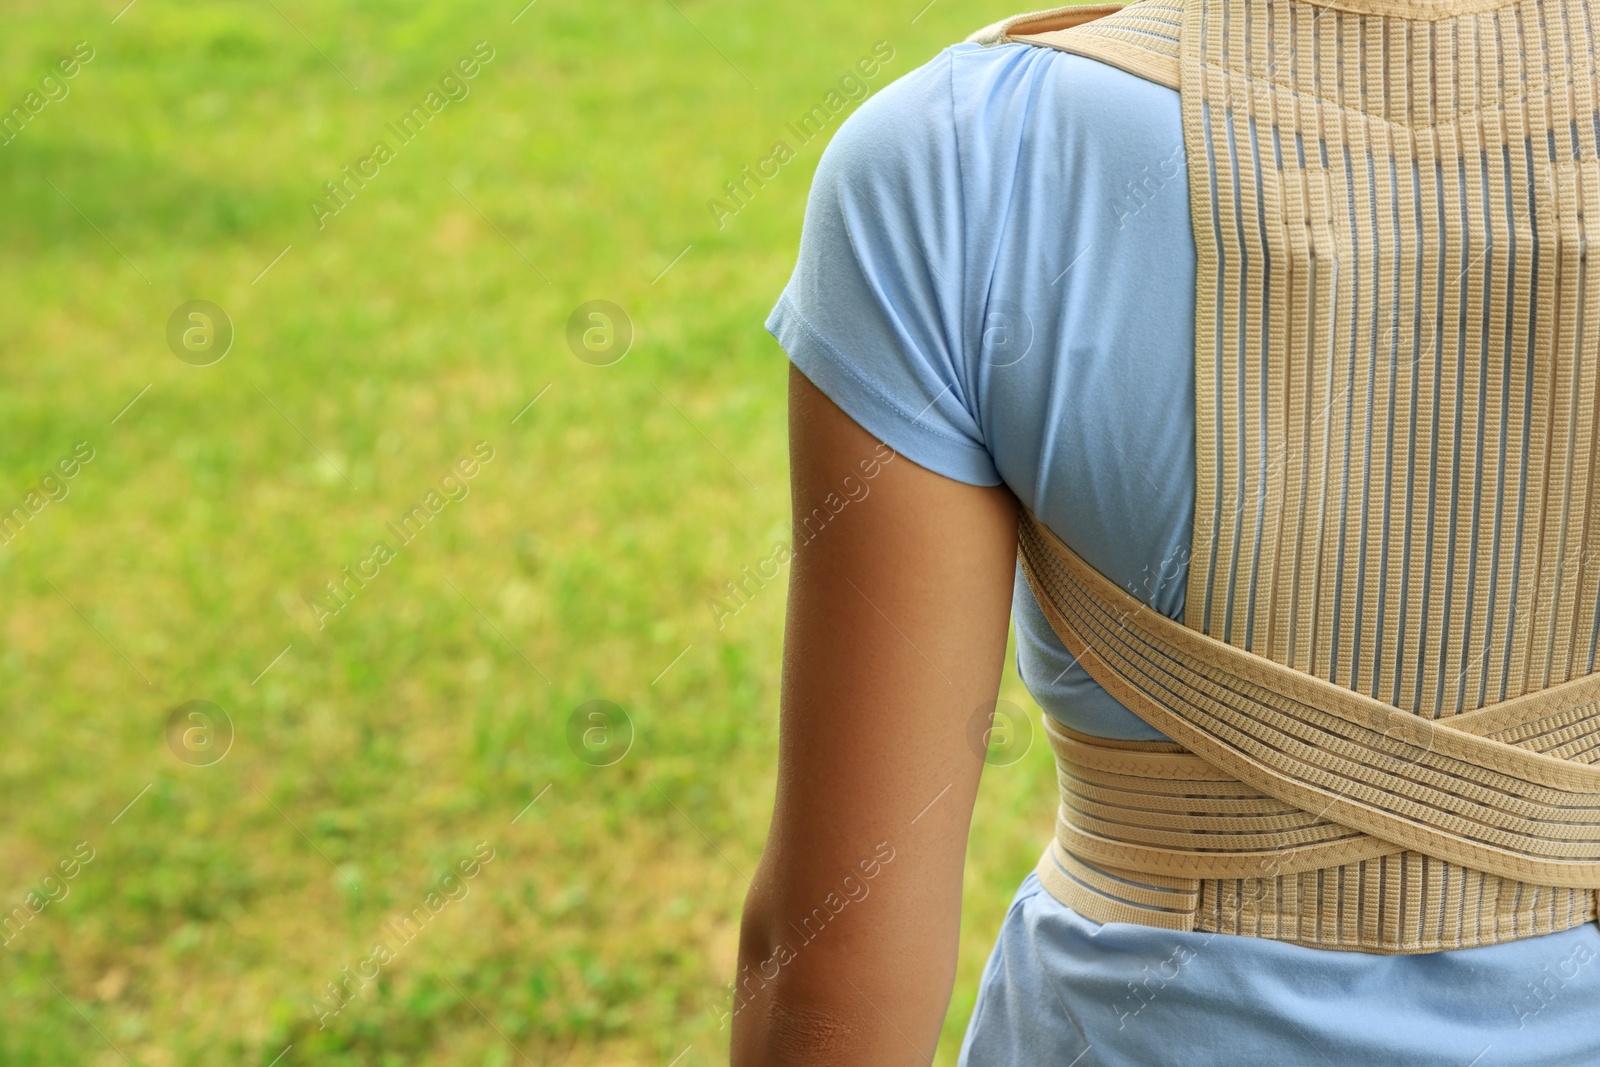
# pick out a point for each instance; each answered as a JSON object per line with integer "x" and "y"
{"x": 1392, "y": 604}
{"x": 1292, "y": 807}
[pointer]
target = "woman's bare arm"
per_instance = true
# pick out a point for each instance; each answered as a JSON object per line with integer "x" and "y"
{"x": 895, "y": 639}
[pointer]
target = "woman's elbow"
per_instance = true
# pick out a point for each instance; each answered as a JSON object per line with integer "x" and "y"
{"x": 780, "y": 1028}
{"x": 784, "y": 1011}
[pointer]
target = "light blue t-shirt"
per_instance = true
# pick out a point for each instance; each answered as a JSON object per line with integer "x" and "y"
{"x": 996, "y": 277}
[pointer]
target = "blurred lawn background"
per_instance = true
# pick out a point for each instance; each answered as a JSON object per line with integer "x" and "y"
{"x": 373, "y": 754}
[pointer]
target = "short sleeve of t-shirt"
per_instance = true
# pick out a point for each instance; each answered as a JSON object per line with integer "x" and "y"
{"x": 873, "y": 313}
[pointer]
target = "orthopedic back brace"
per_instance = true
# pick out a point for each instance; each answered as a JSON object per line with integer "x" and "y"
{"x": 1384, "y": 715}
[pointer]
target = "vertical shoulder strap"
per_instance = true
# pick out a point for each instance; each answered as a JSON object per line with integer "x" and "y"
{"x": 1140, "y": 38}
{"x": 1055, "y": 18}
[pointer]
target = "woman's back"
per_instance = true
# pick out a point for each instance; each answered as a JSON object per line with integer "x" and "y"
{"x": 998, "y": 278}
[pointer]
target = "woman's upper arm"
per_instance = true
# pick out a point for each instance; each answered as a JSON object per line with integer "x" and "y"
{"x": 899, "y": 599}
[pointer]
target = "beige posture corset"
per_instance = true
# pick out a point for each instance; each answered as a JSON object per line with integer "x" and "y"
{"x": 1382, "y": 695}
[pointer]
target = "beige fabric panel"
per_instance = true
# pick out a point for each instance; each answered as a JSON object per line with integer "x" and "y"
{"x": 1395, "y": 380}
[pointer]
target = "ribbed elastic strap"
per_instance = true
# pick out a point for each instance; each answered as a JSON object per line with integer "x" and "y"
{"x": 1277, "y": 775}
{"x": 1259, "y": 867}
{"x": 1140, "y": 39}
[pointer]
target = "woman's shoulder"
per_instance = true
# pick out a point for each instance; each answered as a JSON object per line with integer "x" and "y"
{"x": 975, "y": 111}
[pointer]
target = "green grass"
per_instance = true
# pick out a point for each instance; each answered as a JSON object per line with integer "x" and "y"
{"x": 379, "y": 751}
